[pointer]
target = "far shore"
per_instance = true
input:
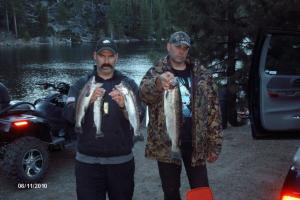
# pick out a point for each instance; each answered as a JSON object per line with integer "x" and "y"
{"x": 54, "y": 41}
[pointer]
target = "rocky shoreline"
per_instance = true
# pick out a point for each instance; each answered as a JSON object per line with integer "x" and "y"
{"x": 10, "y": 41}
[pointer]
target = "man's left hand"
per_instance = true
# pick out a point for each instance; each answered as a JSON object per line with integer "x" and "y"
{"x": 117, "y": 96}
{"x": 212, "y": 157}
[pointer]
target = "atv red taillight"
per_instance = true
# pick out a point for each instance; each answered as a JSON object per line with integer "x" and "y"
{"x": 290, "y": 197}
{"x": 20, "y": 124}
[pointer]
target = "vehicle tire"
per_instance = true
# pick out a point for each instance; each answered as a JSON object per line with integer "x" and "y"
{"x": 257, "y": 133}
{"x": 256, "y": 130}
{"x": 26, "y": 160}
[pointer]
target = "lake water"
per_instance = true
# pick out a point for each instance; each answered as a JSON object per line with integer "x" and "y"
{"x": 22, "y": 68}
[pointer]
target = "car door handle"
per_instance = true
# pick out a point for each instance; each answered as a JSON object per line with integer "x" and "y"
{"x": 289, "y": 93}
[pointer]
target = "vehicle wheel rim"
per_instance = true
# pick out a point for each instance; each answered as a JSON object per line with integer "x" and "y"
{"x": 32, "y": 163}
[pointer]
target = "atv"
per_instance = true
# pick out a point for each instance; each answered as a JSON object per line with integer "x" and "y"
{"x": 29, "y": 130}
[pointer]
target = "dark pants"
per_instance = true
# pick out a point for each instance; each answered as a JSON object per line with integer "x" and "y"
{"x": 170, "y": 174}
{"x": 93, "y": 181}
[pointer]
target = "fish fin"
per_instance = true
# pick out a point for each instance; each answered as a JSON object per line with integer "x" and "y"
{"x": 166, "y": 94}
{"x": 176, "y": 155}
{"x": 88, "y": 90}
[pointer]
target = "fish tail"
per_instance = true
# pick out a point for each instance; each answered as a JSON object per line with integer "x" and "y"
{"x": 99, "y": 134}
{"x": 137, "y": 138}
{"x": 138, "y": 134}
{"x": 175, "y": 155}
{"x": 78, "y": 129}
{"x": 175, "y": 152}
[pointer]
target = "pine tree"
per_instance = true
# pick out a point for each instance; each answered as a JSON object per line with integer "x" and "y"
{"x": 145, "y": 29}
{"x": 42, "y": 18}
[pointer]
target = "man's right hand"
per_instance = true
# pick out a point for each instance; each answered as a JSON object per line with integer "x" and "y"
{"x": 165, "y": 80}
{"x": 98, "y": 92}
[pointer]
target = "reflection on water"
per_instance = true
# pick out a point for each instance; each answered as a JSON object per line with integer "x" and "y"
{"x": 22, "y": 68}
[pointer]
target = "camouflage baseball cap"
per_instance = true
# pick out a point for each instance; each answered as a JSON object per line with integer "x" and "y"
{"x": 106, "y": 44}
{"x": 180, "y": 38}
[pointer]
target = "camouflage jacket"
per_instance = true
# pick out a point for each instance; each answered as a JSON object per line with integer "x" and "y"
{"x": 206, "y": 121}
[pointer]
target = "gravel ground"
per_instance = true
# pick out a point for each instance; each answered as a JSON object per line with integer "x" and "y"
{"x": 246, "y": 170}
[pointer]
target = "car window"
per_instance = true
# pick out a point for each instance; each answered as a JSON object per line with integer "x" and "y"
{"x": 283, "y": 56}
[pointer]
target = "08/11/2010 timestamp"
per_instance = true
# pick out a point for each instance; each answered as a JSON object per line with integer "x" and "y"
{"x": 32, "y": 185}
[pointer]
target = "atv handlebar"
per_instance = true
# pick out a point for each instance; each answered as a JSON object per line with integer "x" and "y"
{"x": 61, "y": 87}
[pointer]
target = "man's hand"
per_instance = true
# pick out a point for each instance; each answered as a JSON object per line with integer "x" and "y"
{"x": 99, "y": 92}
{"x": 117, "y": 96}
{"x": 165, "y": 81}
{"x": 212, "y": 158}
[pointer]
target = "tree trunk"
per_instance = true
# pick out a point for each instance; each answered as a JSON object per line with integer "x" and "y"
{"x": 231, "y": 85}
{"x": 15, "y": 22}
{"x": 7, "y": 20}
{"x": 111, "y": 34}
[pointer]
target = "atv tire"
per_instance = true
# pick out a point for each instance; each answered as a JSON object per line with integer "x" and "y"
{"x": 26, "y": 160}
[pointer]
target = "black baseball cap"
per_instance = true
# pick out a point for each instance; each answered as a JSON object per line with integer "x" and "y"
{"x": 106, "y": 44}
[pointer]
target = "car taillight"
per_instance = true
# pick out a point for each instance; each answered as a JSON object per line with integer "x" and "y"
{"x": 290, "y": 197}
{"x": 19, "y": 124}
{"x": 273, "y": 94}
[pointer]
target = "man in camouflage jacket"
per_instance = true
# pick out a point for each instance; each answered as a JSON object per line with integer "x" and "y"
{"x": 205, "y": 133}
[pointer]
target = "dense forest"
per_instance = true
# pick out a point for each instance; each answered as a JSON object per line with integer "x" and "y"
{"x": 219, "y": 28}
{"x": 222, "y": 31}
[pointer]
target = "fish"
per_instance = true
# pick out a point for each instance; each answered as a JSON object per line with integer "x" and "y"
{"x": 132, "y": 108}
{"x": 83, "y": 102}
{"x": 172, "y": 112}
{"x": 147, "y": 117}
{"x": 98, "y": 114}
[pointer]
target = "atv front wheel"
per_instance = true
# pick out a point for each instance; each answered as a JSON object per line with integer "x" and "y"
{"x": 26, "y": 160}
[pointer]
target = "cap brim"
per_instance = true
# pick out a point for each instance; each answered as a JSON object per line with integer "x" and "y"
{"x": 107, "y": 48}
{"x": 182, "y": 43}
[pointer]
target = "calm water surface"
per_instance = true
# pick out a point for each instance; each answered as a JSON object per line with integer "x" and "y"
{"x": 22, "y": 68}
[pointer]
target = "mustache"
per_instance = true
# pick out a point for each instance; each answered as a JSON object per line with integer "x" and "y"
{"x": 106, "y": 65}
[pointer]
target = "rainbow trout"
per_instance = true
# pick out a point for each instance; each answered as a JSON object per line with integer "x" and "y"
{"x": 172, "y": 110}
{"x": 83, "y": 102}
{"x": 98, "y": 114}
{"x": 131, "y": 108}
